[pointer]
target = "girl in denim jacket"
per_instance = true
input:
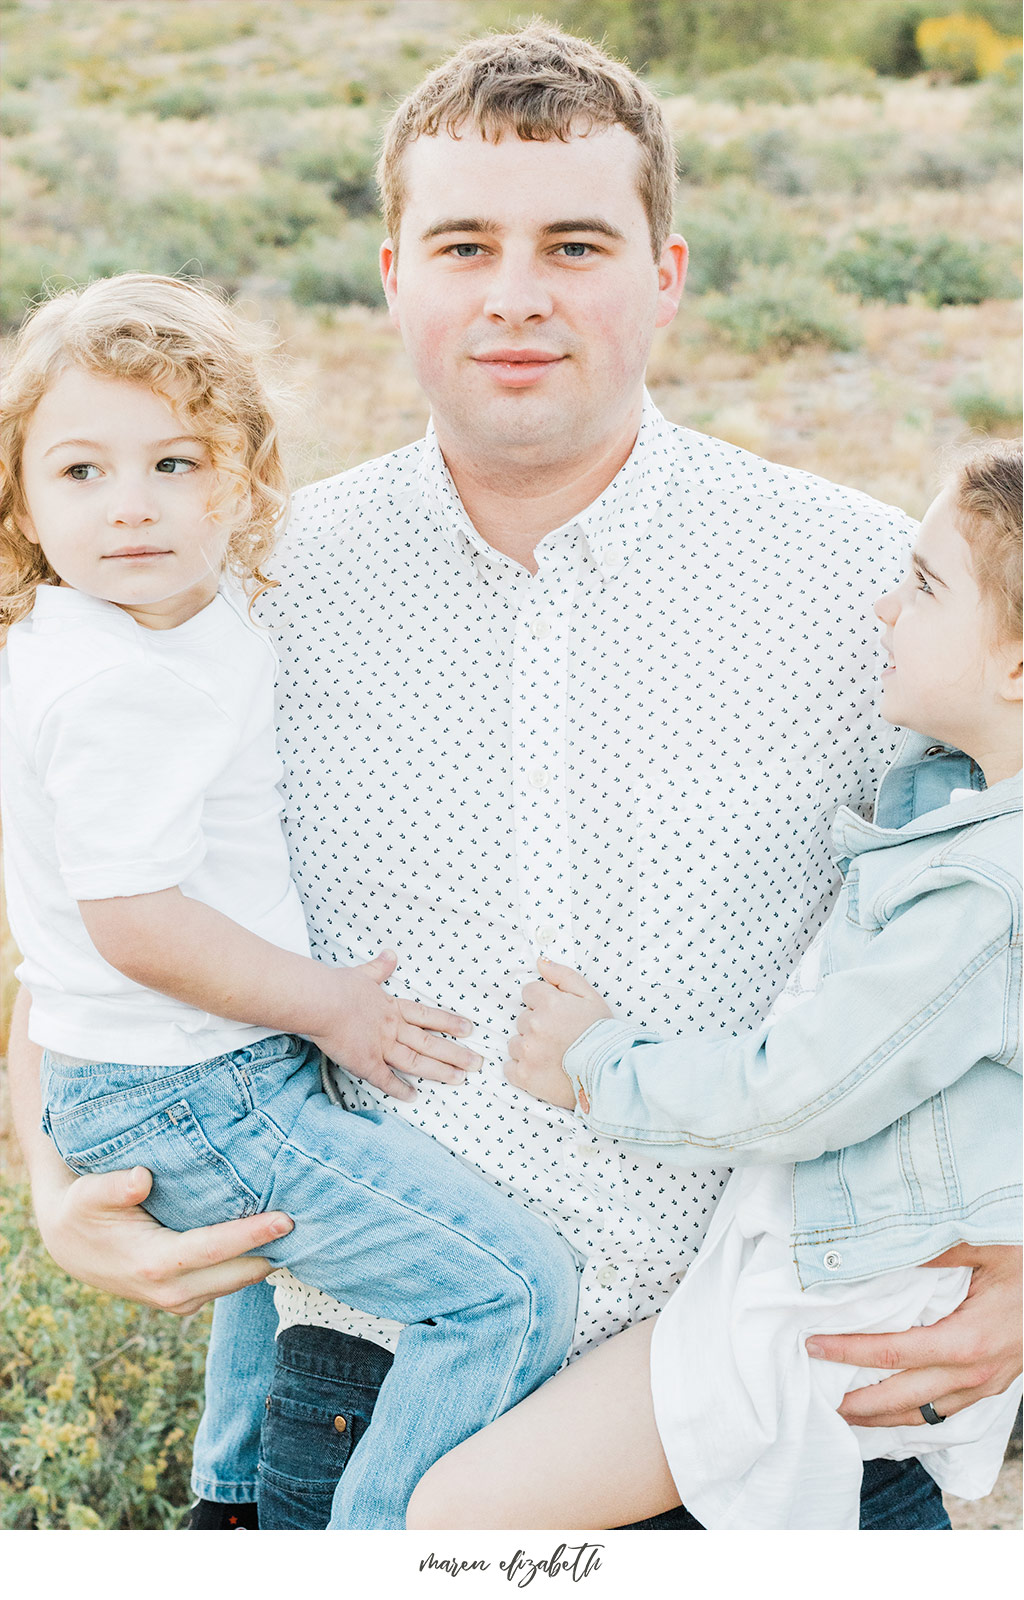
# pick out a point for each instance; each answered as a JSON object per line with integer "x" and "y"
{"x": 874, "y": 1120}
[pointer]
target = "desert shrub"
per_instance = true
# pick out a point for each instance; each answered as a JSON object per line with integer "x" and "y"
{"x": 17, "y": 117}
{"x": 941, "y": 167}
{"x": 788, "y": 81}
{"x": 963, "y": 47}
{"x": 341, "y": 270}
{"x": 886, "y": 35}
{"x": 28, "y": 268}
{"x": 892, "y": 264}
{"x": 986, "y": 412}
{"x": 347, "y": 168}
{"x": 778, "y": 162}
{"x": 695, "y": 159}
{"x": 730, "y": 229}
{"x": 191, "y": 101}
{"x": 772, "y": 308}
{"x": 100, "y": 1398}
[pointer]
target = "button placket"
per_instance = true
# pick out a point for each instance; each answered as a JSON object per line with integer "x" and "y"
{"x": 539, "y": 700}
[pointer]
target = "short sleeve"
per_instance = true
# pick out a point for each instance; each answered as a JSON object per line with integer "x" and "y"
{"x": 126, "y": 760}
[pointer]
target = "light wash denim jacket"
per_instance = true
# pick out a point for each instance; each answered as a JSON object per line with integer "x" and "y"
{"x": 896, "y": 1085}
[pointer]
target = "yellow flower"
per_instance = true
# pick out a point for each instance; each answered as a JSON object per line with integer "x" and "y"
{"x": 62, "y": 1387}
{"x": 148, "y": 1479}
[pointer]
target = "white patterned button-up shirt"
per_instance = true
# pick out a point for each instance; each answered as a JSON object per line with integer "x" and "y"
{"x": 627, "y": 761}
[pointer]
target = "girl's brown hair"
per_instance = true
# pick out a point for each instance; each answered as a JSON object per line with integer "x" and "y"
{"x": 986, "y": 487}
{"x": 188, "y": 345}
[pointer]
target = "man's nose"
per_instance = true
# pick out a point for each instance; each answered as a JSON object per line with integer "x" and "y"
{"x": 517, "y": 293}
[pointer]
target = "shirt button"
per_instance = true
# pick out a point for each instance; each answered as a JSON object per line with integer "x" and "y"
{"x": 545, "y": 934}
{"x": 541, "y": 628}
{"x": 607, "y": 1275}
{"x": 540, "y": 777}
{"x": 613, "y": 556}
{"x": 832, "y": 1260}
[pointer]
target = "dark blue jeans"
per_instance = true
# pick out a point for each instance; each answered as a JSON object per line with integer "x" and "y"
{"x": 325, "y": 1384}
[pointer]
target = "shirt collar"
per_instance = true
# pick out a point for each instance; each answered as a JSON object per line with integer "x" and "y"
{"x": 608, "y": 526}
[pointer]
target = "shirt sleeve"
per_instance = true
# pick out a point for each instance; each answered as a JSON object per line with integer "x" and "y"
{"x": 126, "y": 760}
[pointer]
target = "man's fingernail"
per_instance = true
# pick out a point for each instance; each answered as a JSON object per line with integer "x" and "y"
{"x": 815, "y": 1350}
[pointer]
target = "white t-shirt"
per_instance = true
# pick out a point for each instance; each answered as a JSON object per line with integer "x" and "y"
{"x": 136, "y": 760}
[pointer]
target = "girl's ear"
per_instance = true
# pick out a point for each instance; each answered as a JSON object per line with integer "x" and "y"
{"x": 26, "y": 527}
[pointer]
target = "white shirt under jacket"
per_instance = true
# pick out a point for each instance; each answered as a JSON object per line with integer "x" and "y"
{"x": 627, "y": 761}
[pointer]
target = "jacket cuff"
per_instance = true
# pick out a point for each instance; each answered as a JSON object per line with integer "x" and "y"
{"x": 603, "y": 1044}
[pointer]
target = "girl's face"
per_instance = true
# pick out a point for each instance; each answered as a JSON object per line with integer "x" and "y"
{"x": 946, "y": 676}
{"x": 117, "y": 488}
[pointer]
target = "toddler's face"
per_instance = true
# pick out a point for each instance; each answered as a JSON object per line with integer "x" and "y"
{"x": 945, "y": 670}
{"x": 117, "y": 488}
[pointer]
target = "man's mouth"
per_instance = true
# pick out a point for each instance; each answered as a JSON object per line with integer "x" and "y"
{"x": 516, "y": 369}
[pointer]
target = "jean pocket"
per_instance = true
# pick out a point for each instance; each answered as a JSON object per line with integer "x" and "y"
{"x": 306, "y": 1445}
{"x": 193, "y": 1183}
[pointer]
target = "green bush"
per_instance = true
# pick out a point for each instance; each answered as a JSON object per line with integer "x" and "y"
{"x": 986, "y": 412}
{"x": 340, "y": 270}
{"x": 730, "y": 229}
{"x": 189, "y": 101}
{"x": 100, "y": 1398}
{"x": 892, "y": 264}
{"x": 788, "y": 81}
{"x": 774, "y": 309}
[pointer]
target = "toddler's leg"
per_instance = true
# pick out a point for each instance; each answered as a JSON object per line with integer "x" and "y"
{"x": 581, "y": 1452}
{"x": 239, "y": 1370}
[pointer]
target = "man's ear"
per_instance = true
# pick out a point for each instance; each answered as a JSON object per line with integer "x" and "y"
{"x": 389, "y": 278}
{"x": 672, "y": 266}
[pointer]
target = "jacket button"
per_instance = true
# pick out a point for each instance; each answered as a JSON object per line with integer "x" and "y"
{"x": 340, "y": 1424}
{"x": 832, "y": 1260}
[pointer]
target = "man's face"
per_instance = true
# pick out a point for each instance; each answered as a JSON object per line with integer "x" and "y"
{"x": 526, "y": 292}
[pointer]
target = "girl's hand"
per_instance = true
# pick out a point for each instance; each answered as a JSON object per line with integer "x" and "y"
{"x": 556, "y": 1012}
{"x": 374, "y": 1036}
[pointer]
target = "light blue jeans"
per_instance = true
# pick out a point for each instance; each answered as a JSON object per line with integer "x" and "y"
{"x": 386, "y": 1220}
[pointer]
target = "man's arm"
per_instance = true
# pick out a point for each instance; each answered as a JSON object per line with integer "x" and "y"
{"x": 96, "y": 1230}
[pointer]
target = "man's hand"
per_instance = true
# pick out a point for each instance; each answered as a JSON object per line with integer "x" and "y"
{"x": 374, "y": 1036}
{"x": 972, "y": 1353}
{"x": 556, "y": 1012}
{"x": 99, "y": 1233}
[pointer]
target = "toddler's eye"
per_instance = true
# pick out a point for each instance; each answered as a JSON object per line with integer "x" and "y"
{"x": 81, "y": 472}
{"x": 172, "y": 464}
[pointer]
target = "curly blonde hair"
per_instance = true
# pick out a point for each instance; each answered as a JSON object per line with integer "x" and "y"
{"x": 184, "y": 342}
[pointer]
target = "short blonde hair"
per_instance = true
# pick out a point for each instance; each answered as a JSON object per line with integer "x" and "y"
{"x": 987, "y": 487}
{"x": 187, "y": 344}
{"x": 538, "y": 83}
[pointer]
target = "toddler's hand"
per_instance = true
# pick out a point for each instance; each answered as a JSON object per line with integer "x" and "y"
{"x": 373, "y": 1035}
{"x": 556, "y": 1012}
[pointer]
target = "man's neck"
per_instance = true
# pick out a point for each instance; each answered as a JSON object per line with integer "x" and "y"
{"x": 513, "y": 504}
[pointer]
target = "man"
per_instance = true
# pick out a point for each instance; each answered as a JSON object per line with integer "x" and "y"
{"x": 561, "y": 679}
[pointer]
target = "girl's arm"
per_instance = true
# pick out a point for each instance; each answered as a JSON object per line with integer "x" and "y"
{"x": 930, "y": 996}
{"x": 185, "y": 949}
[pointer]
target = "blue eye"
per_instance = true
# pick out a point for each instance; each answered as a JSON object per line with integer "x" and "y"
{"x": 466, "y": 251}
{"x": 576, "y": 250}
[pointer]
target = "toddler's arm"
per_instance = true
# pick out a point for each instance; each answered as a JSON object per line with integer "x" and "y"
{"x": 185, "y": 949}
